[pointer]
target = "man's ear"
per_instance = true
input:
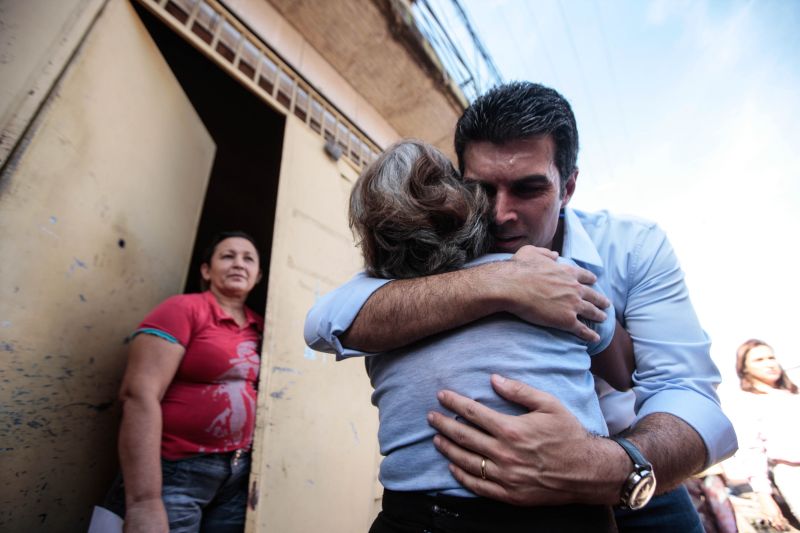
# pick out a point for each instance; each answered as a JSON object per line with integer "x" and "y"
{"x": 569, "y": 188}
{"x": 205, "y": 272}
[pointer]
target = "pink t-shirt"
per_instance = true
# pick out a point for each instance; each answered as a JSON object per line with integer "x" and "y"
{"x": 210, "y": 405}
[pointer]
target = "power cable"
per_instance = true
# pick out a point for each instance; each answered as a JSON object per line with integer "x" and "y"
{"x": 538, "y": 32}
{"x": 585, "y": 84}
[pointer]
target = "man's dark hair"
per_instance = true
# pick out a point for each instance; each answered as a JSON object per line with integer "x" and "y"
{"x": 519, "y": 110}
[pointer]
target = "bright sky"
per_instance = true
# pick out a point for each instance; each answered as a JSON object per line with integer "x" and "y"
{"x": 689, "y": 115}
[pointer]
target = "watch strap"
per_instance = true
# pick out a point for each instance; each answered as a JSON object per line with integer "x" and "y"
{"x": 640, "y": 486}
{"x": 632, "y": 451}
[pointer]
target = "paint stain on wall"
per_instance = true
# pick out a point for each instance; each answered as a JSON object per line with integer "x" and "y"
{"x": 278, "y": 394}
{"x": 76, "y": 264}
{"x": 285, "y": 369}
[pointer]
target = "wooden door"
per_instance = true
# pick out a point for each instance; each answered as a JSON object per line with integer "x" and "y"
{"x": 98, "y": 211}
{"x": 316, "y": 451}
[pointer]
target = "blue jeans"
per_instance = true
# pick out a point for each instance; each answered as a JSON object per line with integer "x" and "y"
{"x": 671, "y": 512}
{"x": 204, "y": 493}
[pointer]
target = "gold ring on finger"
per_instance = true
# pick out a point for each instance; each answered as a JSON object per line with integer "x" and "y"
{"x": 483, "y": 468}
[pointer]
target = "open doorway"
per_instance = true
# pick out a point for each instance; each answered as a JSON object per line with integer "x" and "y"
{"x": 243, "y": 185}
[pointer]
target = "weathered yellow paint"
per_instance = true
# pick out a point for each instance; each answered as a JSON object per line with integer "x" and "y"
{"x": 97, "y": 222}
{"x": 316, "y": 454}
{"x": 38, "y": 38}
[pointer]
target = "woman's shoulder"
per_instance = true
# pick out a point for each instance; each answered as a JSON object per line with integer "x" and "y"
{"x": 191, "y": 306}
{"x": 190, "y": 300}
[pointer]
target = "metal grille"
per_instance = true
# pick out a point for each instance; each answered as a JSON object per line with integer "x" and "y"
{"x": 217, "y": 33}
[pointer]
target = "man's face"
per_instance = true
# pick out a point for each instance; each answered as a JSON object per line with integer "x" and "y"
{"x": 522, "y": 182}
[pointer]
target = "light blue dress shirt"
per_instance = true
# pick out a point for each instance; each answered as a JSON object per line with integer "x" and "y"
{"x": 638, "y": 270}
{"x": 406, "y": 380}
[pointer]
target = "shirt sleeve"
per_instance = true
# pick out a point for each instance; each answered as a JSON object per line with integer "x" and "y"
{"x": 674, "y": 371}
{"x": 605, "y": 329}
{"x": 171, "y": 320}
{"x": 333, "y": 314}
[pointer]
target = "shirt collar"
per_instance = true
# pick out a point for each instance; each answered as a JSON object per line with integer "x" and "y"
{"x": 253, "y": 320}
{"x": 577, "y": 244}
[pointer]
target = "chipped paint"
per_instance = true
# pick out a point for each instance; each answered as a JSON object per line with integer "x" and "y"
{"x": 252, "y": 499}
{"x": 99, "y": 407}
{"x": 278, "y": 394}
{"x": 76, "y": 263}
{"x": 48, "y": 231}
{"x": 285, "y": 369}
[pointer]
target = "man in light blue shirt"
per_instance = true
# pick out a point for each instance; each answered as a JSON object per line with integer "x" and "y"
{"x": 519, "y": 141}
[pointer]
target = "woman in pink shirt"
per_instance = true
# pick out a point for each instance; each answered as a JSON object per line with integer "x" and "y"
{"x": 188, "y": 401}
{"x": 768, "y": 440}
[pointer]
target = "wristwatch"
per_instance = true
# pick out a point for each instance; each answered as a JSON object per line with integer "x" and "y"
{"x": 641, "y": 483}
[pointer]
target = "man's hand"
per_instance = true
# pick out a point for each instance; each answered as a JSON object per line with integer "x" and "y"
{"x": 544, "y": 457}
{"x": 146, "y": 516}
{"x": 546, "y": 293}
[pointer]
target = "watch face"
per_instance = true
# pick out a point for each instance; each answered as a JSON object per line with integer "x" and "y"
{"x": 642, "y": 492}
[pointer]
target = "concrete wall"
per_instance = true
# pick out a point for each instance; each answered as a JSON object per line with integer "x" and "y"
{"x": 296, "y": 50}
{"x": 97, "y": 220}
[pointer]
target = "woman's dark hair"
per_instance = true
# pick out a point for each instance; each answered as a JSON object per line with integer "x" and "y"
{"x": 413, "y": 215}
{"x": 217, "y": 238}
{"x": 744, "y": 378}
{"x": 521, "y": 110}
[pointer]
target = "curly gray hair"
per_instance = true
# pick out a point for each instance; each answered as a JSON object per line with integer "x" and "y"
{"x": 413, "y": 215}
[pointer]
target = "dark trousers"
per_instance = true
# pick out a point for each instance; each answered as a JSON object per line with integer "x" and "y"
{"x": 407, "y": 512}
{"x": 671, "y": 512}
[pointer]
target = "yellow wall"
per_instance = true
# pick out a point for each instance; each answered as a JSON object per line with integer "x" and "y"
{"x": 117, "y": 155}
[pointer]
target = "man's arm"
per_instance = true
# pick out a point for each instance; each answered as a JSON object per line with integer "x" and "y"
{"x": 680, "y": 427}
{"x": 532, "y": 285}
{"x": 546, "y": 457}
{"x": 152, "y": 364}
{"x": 674, "y": 371}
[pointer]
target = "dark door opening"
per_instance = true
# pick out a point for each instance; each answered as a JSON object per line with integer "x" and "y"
{"x": 243, "y": 186}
